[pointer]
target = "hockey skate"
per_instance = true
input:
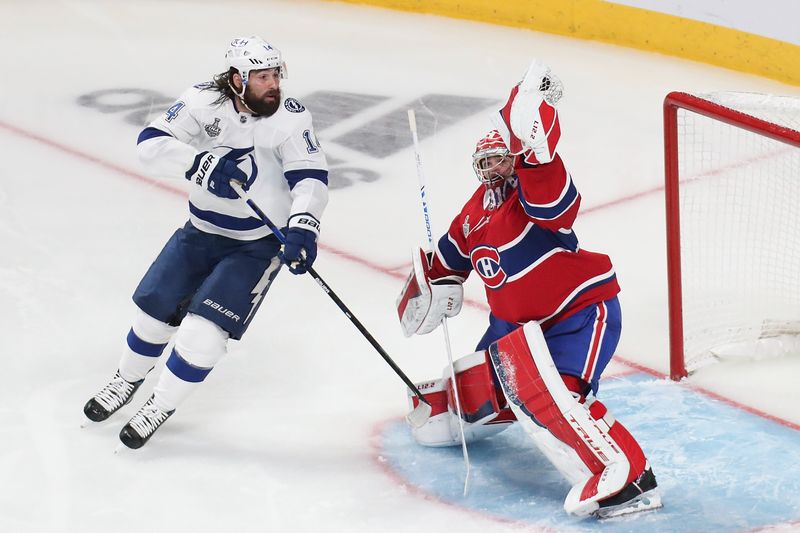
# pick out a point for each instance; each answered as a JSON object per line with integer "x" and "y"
{"x": 639, "y": 495}
{"x": 144, "y": 423}
{"x": 117, "y": 393}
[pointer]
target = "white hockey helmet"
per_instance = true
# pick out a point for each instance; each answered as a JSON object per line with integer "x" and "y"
{"x": 253, "y": 53}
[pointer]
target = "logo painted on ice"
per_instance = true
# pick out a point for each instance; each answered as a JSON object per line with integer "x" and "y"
{"x": 486, "y": 261}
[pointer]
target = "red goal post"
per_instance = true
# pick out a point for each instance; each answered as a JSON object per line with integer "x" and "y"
{"x": 732, "y": 185}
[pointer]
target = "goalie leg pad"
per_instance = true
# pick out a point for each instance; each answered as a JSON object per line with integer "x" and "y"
{"x": 538, "y": 396}
{"x": 482, "y": 415}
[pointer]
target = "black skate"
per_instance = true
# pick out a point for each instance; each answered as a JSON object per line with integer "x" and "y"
{"x": 105, "y": 403}
{"x": 641, "y": 494}
{"x": 144, "y": 423}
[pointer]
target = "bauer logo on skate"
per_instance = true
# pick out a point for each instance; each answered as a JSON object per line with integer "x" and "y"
{"x": 486, "y": 261}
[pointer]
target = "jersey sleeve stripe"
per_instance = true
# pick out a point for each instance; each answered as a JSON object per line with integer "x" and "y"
{"x": 225, "y": 221}
{"x": 552, "y": 210}
{"x": 151, "y": 133}
{"x": 294, "y": 176}
{"x": 451, "y": 256}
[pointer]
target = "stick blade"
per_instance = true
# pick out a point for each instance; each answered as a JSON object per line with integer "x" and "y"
{"x": 419, "y": 415}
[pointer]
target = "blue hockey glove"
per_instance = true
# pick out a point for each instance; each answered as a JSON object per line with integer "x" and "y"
{"x": 300, "y": 249}
{"x": 215, "y": 174}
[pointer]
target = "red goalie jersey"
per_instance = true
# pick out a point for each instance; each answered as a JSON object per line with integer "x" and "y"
{"x": 525, "y": 250}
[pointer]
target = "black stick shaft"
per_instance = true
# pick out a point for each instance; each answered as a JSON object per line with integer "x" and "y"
{"x": 325, "y": 287}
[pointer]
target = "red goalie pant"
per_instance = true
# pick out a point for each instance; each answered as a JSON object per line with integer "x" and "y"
{"x": 605, "y": 457}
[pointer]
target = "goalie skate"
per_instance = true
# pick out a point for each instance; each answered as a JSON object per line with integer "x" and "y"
{"x": 144, "y": 423}
{"x": 639, "y": 495}
{"x": 111, "y": 398}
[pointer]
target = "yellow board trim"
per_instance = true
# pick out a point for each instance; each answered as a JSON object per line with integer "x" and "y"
{"x": 627, "y": 26}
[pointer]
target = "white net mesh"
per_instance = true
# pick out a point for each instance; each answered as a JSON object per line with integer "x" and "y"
{"x": 740, "y": 232}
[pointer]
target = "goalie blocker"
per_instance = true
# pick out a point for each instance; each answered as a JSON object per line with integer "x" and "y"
{"x": 609, "y": 472}
{"x": 424, "y": 303}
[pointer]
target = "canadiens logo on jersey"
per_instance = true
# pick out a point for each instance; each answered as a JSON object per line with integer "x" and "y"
{"x": 486, "y": 262}
{"x": 213, "y": 129}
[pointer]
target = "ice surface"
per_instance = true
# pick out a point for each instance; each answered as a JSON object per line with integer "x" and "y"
{"x": 281, "y": 436}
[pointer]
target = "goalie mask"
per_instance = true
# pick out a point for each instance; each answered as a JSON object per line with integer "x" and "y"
{"x": 529, "y": 123}
{"x": 253, "y": 53}
{"x": 491, "y": 161}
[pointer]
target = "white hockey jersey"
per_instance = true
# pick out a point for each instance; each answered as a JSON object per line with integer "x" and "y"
{"x": 287, "y": 171}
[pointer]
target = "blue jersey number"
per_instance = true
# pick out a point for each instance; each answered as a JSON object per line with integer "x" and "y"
{"x": 311, "y": 144}
{"x": 173, "y": 111}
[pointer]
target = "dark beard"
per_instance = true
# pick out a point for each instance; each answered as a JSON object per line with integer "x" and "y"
{"x": 261, "y": 108}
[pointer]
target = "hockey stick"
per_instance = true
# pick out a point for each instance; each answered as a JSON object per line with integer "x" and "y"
{"x": 412, "y": 123}
{"x": 420, "y": 414}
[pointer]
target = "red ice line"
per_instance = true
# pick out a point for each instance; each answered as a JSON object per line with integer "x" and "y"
{"x": 392, "y": 272}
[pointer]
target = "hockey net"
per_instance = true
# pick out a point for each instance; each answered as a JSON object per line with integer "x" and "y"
{"x": 733, "y": 226}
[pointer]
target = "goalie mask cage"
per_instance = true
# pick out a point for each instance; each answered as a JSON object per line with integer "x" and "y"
{"x": 732, "y": 180}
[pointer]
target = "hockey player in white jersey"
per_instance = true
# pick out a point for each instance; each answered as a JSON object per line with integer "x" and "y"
{"x": 212, "y": 275}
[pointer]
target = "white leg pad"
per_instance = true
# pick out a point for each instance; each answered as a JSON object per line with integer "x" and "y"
{"x": 134, "y": 366}
{"x": 170, "y": 391}
{"x": 150, "y": 329}
{"x": 201, "y": 342}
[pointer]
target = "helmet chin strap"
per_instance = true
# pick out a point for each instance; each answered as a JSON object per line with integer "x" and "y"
{"x": 240, "y": 95}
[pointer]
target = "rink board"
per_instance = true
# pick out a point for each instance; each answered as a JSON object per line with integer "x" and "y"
{"x": 719, "y": 468}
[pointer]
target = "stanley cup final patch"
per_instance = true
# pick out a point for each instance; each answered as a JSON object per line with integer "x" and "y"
{"x": 213, "y": 129}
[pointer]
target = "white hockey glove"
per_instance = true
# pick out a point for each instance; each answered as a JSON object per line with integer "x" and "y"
{"x": 424, "y": 303}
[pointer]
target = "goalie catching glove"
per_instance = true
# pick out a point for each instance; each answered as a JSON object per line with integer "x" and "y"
{"x": 529, "y": 122}
{"x": 424, "y": 303}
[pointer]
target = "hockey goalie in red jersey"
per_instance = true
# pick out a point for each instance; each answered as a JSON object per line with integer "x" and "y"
{"x": 554, "y": 319}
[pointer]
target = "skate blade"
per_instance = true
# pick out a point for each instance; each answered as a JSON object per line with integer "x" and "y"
{"x": 648, "y": 501}
{"x": 121, "y": 449}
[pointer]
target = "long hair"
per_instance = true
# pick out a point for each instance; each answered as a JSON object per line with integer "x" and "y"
{"x": 222, "y": 84}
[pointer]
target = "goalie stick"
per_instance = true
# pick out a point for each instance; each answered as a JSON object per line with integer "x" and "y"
{"x": 420, "y": 414}
{"x": 412, "y": 123}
